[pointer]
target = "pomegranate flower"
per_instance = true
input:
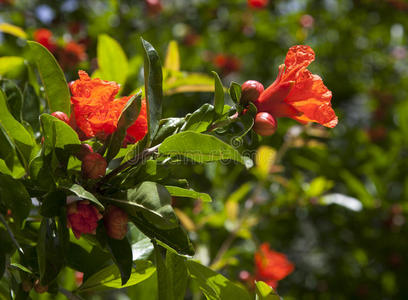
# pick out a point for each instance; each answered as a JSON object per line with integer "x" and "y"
{"x": 271, "y": 266}
{"x": 96, "y": 111}
{"x": 82, "y": 218}
{"x": 115, "y": 220}
{"x": 297, "y": 93}
{"x": 44, "y": 37}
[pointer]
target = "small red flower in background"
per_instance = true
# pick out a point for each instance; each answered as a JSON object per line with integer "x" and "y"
{"x": 258, "y": 4}
{"x": 79, "y": 277}
{"x": 154, "y": 7}
{"x": 307, "y": 21}
{"x": 271, "y": 266}
{"x": 96, "y": 111}
{"x": 297, "y": 93}
{"x": 227, "y": 63}
{"x": 45, "y": 38}
{"x": 82, "y": 218}
{"x": 72, "y": 54}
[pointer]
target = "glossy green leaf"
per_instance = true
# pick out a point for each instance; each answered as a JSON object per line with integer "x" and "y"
{"x": 50, "y": 251}
{"x": 7, "y": 148}
{"x": 122, "y": 256}
{"x": 17, "y": 133}
{"x": 265, "y": 292}
{"x": 172, "y": 61}
{"x": 14, "y": 98}
{"x": 55, "y": 86}
{"x": 153, "y": 87}
{"x": 218, "y": 94}
{"x": 235, "y": 91}
{"x": 167, "y": 127}
{"x": 112, "y": 60}
{"x": 177, "y": 275}
{"x": 213, "y": 285}
{"x": 14, "y": 196}
{"x": 31, "y": 107}
{"x": 128, "y": 116}
{"x": 79, "y": 191}
{"x": 165, "y": 288}
{"x": 110, "y": 277}
{"x": 175, "y": 238}
{"x": 199, "y": 120}
{"x": 180, "y": 192}
{"x": 150, "y": 199}
{"x": 198, "y": 147}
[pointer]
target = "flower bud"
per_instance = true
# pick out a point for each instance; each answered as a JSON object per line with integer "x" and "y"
{"x": 115, "y": 220}
{"x": 61, "y": 116}
{"x": 40, "y": 289}
{"x": 93, "y": 166}
{"x": 83, "y": 151}
{"x": 82, "y": 218}
{"x": 250, "y": 91}
{"x": 265, "y": 124}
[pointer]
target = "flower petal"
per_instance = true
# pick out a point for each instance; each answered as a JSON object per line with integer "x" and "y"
{"x": 297, "y": 58}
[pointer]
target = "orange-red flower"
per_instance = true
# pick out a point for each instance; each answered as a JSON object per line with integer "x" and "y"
{"x": 44, "y": 37}
{"x": 82, "y": 218}
{"x": 271, "y": 266}
{"x": 96, "y": 111}
{"x": 258, "y": 4}
{"x": 297, "y": 93}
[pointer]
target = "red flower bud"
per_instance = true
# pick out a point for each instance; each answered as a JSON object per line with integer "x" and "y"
{"x": 250, "y": 91}
{"x": 40, "y": 289}
{"x": 83, "y": 151}
{"x": 115, "y": 220}
{"x": 61, "y": 116}
{"x": 93, "y": 166}
{"x": 257, "y": 4}
{"x": 265, "y": 124}
{"x": 82, "y": 217}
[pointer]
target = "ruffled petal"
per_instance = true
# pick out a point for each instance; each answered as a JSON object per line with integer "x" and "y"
{"x": 297, "y": 58}
{"x": 313, "y": 99}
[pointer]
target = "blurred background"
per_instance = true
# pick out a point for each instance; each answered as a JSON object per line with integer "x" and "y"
{"x": 334, "y": 201}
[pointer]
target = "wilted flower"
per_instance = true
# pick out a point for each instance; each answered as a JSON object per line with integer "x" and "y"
{"x": 297, "y": 93}
{"x": 82, "y": 218}
{"x": 96, "y": 111}
{"x": 271, "y": 266}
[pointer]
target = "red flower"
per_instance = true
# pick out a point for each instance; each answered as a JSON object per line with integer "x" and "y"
{"x": 72, "y": 54}
{"x": 297, "y": 93}
{"x": 271, "y": 266}
{"x": 44, "y": 37}
{"x": 115, "y": 220}
{"x": 227, "y": 63}
{"x": 257, "y": 4}
{"x": 96, "y": 111}
{"x": 82, "y": 218}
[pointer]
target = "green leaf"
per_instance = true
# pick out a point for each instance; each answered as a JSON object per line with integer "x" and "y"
{"x": 52, "y": 203}
{"x": 175, "y": 238}
{"x": 214, "y": 285}
{"x": 218, "y": 94}
{"x": 12, "y": 67}
{"x": 112, "y": 60}
{"x": 110, "y": 277}
{"x": 200, "y": 119}
{"x": 199, "y": 147}
{"x": 50, "y": 251}
{"x": 177, "y": 275}
{"x": 265, "y": 292}
{"x": 31, "y": 107}
{"x": 52, "y": 77}
{"x": 14, "y": 196}
{"x": 165, "y": 289}
{"x": 13, "y": 30}
{"x": 122, "y": 256}
{"x": 127, "y": 117}
{"x": 82, "y": 193}
{"x": 152, "y": 200}
{"x": 7, "y": 148}
{"x": 14, "y": 98}
{"x": 153, "y": 87}
{"x": 180, "y": 192}
{"x": 18, "y": 134}
{"x": 235, "y": 91}
{"x": 183, "y": 82}
{"x": 167, "y": 127}
{"x": 172, "y": 61}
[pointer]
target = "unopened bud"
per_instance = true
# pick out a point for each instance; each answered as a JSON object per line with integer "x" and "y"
{"x": 61, "y": 116}
{"x": 265, "y": 124}
{"x": 115, "y": 220}
{"x": 83, "y": 151}
{"x": 40, "y": 289}
{"x": 250, "y": 91}
{"x": 93, "y": 166}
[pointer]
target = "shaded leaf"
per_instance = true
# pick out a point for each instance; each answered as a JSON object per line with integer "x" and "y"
{"x": 14, "y": 98}
{"x": 218, "y": 94}
{"x": 199, "y": 120}
{"x": 79, "y": 191}
{"x": 180, "y": 192}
